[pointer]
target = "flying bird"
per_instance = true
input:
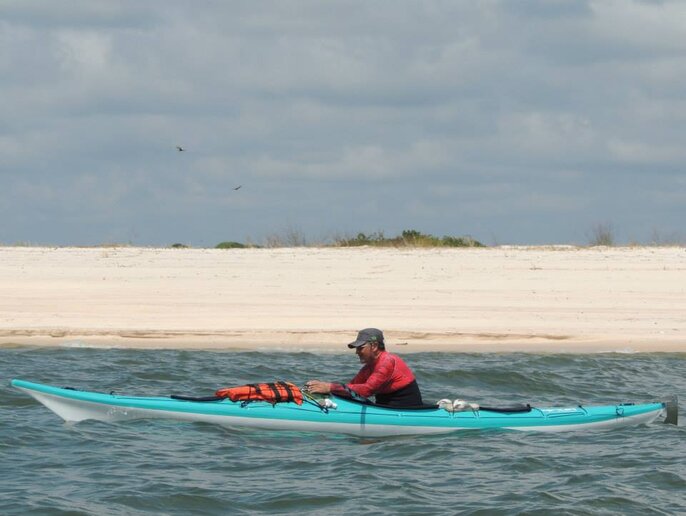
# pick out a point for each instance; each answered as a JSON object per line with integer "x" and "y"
{"x": 238, "y": 187}
{"x": 179, "y": 148}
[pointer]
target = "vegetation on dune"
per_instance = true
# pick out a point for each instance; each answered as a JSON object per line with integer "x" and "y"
{"x": 602, "y": 235}
{"x": 230, "y": 245}
{"x": 598, "y": 235}
{"x": 288, "y": 237}
{"x": 408, "y": 238}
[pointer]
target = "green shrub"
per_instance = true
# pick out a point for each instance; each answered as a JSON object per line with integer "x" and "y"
{"x": 362, "y": 239}
{"x": 467, "y": 241}
{"x": 408, "y": 238}
{"x": 229, "y": 245}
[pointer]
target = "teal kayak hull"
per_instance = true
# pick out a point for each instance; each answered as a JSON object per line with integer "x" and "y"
{"x": 347, "y": 417}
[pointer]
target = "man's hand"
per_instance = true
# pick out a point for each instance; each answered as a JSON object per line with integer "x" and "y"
{"x": 318, "y": 387}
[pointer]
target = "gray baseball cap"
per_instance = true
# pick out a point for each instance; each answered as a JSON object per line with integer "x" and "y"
{"x": 367, "y": 335}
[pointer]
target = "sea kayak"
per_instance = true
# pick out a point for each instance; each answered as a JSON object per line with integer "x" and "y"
{"x": 341, "y": 415}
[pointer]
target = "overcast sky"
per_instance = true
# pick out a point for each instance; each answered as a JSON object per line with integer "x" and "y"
{"x": 514, "y": 121}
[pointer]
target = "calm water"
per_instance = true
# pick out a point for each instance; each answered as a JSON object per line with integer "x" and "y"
{"x": 47, "y": 467}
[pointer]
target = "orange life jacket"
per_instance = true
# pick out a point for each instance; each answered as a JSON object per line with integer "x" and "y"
{"x": 275, "y": 392}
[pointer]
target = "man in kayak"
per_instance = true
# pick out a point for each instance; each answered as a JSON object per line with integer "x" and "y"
{"x": 384, "y": 375}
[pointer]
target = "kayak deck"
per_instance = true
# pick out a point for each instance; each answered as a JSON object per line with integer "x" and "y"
{"x": 348, "y": 417}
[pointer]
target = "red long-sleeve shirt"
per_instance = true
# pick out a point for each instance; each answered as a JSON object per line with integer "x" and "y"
{"x": 387, "y": 374}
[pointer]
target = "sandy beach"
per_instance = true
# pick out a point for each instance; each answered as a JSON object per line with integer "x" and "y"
{"x": 542, "y": 299}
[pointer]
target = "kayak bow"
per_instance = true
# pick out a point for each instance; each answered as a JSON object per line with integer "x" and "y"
{"x": 342, "y": 416}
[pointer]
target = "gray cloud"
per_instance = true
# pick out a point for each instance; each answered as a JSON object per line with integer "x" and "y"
{"x": 522, "y": 122}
